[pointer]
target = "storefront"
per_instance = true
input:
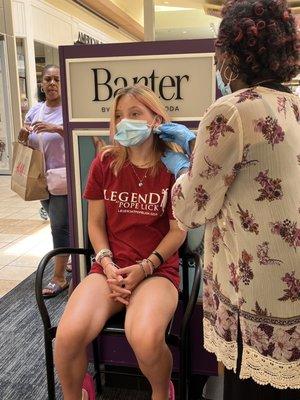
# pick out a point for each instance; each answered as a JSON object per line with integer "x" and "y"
{"x": 39, "y": 27}
{"x": 5, "y": 114}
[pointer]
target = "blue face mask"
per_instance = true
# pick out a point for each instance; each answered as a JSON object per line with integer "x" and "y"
{"x": 224, "y": 89}
{"x": 132, "y": 132}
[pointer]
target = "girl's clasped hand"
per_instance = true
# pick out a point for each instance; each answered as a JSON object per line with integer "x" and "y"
{"x": 123, "y": 281}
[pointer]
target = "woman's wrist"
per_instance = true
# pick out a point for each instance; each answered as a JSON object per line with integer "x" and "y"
{"x": 182, "y": 171}
{"x": 23, "y": 134}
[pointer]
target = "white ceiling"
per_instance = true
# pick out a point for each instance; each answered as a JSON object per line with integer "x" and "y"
{"x": 175, "y": 19}
{"x": 180, "y": 3}
{"x": 178, "y": 19}
{"x": 134, "y": 8}
{"x": 188, "y": 23}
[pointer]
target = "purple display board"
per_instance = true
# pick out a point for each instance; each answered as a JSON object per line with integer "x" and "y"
{"x": 182, "y": 74}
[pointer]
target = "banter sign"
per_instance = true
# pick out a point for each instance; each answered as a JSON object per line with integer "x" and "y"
{"x": 185, "y": 83}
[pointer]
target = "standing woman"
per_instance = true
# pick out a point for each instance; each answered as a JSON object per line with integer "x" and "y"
{"x": 243, "y": 183}
{"x": 44, "y": 128}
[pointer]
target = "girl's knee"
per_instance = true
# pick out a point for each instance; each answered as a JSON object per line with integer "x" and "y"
{"x": 69, "y": 339}
{"x": 146, "y": 345}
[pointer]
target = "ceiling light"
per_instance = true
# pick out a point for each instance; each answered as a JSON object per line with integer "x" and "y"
{"x": 171, "y": 8}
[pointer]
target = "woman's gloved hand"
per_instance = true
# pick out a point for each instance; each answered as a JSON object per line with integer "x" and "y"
{"x": 175, "y": 161}
{"x": 177, "y": 133}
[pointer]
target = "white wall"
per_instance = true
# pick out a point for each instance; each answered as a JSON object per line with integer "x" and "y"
{"x": 52, "y": 25}
{"x": 19, "y": 17}
{"x": 2, "y": 17}
{"x": 55, "y": 27}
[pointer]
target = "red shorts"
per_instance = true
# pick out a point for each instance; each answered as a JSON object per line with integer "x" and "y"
{"x": 171, "y": 273}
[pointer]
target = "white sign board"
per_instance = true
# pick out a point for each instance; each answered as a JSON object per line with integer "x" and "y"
{"x": 185, "y": 83}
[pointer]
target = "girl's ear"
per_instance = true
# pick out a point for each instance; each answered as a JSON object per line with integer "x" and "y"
{"x": 158, "y": 120}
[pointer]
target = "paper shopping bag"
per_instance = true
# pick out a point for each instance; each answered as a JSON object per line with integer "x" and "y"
{"x": 28, "y": 178}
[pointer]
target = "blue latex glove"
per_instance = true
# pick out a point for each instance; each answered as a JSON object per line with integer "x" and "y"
{"x": 177, "y": 133}
{"x": 175, "y": 161}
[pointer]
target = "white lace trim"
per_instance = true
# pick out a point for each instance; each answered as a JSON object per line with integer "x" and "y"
{"x": 264, "y": 370}
{"x": 226, "y": 352}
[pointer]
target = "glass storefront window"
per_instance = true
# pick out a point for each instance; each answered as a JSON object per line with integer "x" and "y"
{"x": 44, "y": 55}
{"x": 22, "y": 77}
{"x": 4, "y": 113}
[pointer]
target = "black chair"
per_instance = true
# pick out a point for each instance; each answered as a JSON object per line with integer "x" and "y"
{"x": 115, "y": 325}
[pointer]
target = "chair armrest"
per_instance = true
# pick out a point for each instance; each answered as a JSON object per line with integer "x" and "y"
{"x": 39, "y": 279}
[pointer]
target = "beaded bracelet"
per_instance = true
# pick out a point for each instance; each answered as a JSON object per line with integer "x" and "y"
{"x": 103, "y": 253}
{"x": 151, "y": 264}
{"x": 143, "y": 268}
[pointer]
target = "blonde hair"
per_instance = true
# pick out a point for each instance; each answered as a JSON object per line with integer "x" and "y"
{"x": 120, "y": 153}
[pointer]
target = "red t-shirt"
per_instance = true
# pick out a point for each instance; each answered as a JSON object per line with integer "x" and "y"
{"x": 137, "y": 217}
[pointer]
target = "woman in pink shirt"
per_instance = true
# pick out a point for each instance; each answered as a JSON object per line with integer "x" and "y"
{"x": 43, "y": 129}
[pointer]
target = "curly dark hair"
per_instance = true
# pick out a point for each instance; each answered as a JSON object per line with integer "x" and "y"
{"x": 261, "y": 36}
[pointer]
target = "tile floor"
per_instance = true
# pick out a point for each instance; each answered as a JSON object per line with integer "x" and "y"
{"x": 24, "y": 237}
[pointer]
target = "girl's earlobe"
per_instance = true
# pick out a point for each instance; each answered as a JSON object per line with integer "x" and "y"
{"x": 158, "y": 120}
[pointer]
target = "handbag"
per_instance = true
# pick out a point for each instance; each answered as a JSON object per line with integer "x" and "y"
{"x": 28, "y": 178}
{"x": 57, "y": 181}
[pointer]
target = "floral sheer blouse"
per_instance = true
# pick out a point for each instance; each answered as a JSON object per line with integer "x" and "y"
{"x": 244, "y": 184}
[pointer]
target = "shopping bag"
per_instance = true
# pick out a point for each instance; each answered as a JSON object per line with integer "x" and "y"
{"x": 28, "y": 178}
{"x": 57, "y": 181}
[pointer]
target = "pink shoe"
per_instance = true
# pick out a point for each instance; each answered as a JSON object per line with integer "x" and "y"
{"x": 88, "y": 385}
{"x": 171, "y": 391}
